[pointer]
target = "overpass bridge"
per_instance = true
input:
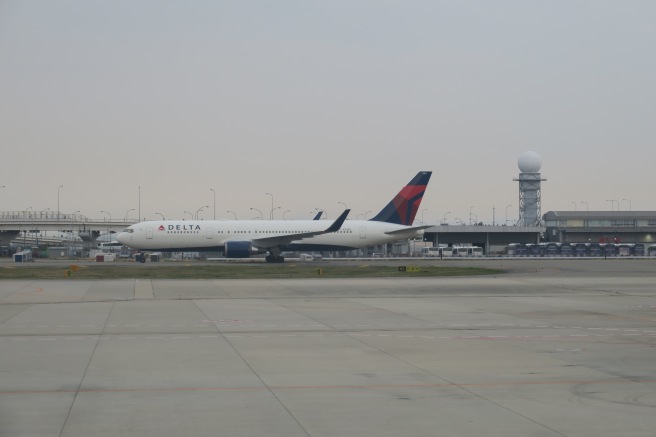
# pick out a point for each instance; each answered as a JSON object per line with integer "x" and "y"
{"x": 13, "y": 223}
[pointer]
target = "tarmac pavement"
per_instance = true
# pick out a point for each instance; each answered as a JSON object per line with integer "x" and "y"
{"x": 551, "y": 349}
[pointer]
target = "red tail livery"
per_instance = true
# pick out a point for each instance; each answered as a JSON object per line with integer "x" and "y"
{"x": 403, "y": 208}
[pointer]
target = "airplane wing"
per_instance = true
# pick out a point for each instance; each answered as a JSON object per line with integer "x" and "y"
{"x": 283, "y": 240}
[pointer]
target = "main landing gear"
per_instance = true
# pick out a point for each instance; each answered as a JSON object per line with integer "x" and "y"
{"x": 275, "y": 259}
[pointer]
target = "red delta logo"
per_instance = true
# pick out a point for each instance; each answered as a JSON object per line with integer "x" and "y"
{"x": 161, "y": 228}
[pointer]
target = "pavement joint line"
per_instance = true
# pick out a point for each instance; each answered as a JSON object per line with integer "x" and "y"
{"x": 314, "y": 335}
{"x": 331, "y": 387}
{"x": 621, "y": 331}
{"x": 386, "y": 325}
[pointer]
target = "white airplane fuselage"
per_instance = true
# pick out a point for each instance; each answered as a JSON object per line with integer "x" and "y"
{"x": 194, "y": 235}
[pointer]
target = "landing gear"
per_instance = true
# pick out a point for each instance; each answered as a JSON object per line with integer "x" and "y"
{"x": 275, "y": 259}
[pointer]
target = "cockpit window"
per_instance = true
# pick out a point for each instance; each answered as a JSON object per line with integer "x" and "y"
{"x": 129, "y": 230}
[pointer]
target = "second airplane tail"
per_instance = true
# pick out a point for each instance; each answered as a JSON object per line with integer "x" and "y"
{"x": 403, "y": 208}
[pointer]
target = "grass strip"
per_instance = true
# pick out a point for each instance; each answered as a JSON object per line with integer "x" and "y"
{"x": 232, "y": 271}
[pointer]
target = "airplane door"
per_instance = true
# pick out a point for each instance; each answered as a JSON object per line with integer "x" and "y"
{"x": 149, "y": 233}
{"x": 363, "y": 233}
{"x": 209, "y": 234}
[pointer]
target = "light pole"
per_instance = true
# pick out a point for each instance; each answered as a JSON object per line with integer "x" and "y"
{"x": 214, "y": 193}
{"x": 587, "y": 208}
{"x": 285, "y": 212}
{"x": 271, "y": 216}
{"x": 158, "y": 213}
{"x": 277, "y": 207}
{"x": 470, "y": 214}
{"x": 109, "y": 235}
{"x": 187, "y": 212}
{"x": 2, "y": 186}
{"x": 139, "y": 218}
{"x": 628, "y": 200}
{"x": 612, "y": 205}
{"x": 199, "y": 209}
{"x": 324, "y": 212}
{"x": 444, "y": 219}
{"x": 128, "y": 212}
{"x": 342, "y": 203}
{"x": 70, "y": 244}
{"x": 42, "y": 211}
{"x": 507, "y": 206}
{"x": 58, "y": 188}
{"x": 365, "y": 214}
{"x": 36, "y": 234}
{"x": 233, "y": 213}
{"x": 261, "y": 215}
{"x": 574, "y": 205}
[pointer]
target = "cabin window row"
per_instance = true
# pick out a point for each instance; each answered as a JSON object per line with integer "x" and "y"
{"x": 348, "y": 231}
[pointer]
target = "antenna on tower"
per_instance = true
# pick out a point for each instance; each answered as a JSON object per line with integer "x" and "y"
{"x": 529, "y": 164}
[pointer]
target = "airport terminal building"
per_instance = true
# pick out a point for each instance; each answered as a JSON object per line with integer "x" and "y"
{"x": 568, "y": 227}
{"x": 628, "y": 227}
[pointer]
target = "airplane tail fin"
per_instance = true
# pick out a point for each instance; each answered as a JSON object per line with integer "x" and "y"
{"x": 403, "y": 208}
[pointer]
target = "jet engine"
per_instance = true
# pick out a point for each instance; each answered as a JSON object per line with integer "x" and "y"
{"x": 239, "y": 249}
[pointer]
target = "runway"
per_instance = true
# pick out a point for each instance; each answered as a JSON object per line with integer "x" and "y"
{"x": 553, "y": 348}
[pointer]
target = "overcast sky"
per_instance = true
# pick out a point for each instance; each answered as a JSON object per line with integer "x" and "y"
{"x": 321, "y": 102}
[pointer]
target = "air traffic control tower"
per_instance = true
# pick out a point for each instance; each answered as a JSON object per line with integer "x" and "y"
{"x": 529, "y": 164}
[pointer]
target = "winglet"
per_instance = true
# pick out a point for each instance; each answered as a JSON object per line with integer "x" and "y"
{"x": 318, "y": 216}
{"x": 337, "y": 224}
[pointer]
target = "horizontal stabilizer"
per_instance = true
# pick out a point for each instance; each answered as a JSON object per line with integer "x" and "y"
{"x": 409, "y": 230}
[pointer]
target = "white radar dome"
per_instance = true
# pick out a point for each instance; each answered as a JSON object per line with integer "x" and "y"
{"x": 529, "y": 162}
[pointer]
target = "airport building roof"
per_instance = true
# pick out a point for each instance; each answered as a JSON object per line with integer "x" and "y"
{"x": 596, "y": 215}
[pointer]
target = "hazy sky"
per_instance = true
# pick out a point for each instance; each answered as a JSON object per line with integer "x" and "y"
{"x": 320, "y": 102}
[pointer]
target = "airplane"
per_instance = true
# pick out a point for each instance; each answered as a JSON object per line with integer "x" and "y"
{"x": 46, "y": 238}
{"x": 245, "y": 238}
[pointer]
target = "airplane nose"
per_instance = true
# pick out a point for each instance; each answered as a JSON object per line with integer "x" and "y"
{"x": 121, "y": 237}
